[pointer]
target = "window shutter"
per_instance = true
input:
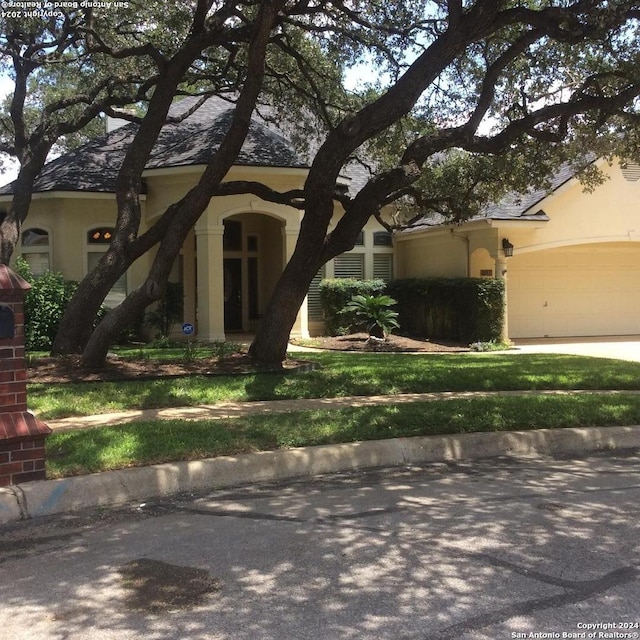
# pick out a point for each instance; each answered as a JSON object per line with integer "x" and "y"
{"x": 313, "y": 297}
{"x": 119, "y": 290}
{"x": 631, "y": 171}
{"x": 349, "y": 265}
{"x": 383, "y": 266}
{"x": 38, "y": 262}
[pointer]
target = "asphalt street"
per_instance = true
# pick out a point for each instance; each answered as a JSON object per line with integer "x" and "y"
{"x": 489, "y": 549}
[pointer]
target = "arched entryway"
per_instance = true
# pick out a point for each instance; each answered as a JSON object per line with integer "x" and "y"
{"x": 253, "y": 259}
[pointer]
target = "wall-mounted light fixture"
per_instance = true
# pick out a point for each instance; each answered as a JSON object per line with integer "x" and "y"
{"x": 507, "y": 247}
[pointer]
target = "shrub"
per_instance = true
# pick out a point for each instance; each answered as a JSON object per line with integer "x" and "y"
{"x": 336, "y": 293}
{"x": 169, "y": 310}
{"x": 43, "y": 305}
{"x": 463, "y": 309}
{"x": 375, "y": 311}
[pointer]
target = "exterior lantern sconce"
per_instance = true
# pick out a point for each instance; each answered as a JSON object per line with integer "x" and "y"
{"x": 507, "y": 247}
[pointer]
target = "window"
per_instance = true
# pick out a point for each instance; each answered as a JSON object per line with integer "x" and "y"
{"x": 359, "y": 240}
{"x": 98, "y": 240}
{"x": 232, "y": 239}
{"x": 35, "y": 250}
{"x": 631, "y": 171}
{"x": 349, "y": 265}
{"x": 313, "y": 297}
{"x": 383, "y": 266}
{"x": 382, "y": 239}
{"x": 100, "y": 236}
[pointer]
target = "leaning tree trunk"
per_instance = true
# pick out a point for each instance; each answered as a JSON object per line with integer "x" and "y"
{"x": 95, "y": 353}
{"x": 9, "y": 236}
{"x": 80, "y": 314}
{"x": 105, "y": 334}
{"x": 269, "y": 346}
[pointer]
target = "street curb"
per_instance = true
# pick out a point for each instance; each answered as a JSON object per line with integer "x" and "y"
{"x": 111, "y": 488}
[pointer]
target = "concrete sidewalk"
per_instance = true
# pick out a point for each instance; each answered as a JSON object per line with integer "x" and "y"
{"x": 240, "y": 409}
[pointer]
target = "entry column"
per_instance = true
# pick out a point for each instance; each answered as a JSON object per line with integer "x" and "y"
{"x": 289, "y": 238}
{"x": 210, "y": 286}
{"x": 501, "y": 273}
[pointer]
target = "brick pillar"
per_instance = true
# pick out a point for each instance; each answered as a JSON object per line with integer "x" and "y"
{"x": 22, "y": 435}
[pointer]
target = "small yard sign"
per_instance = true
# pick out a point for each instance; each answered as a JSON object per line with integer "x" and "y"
{"x": 187, "y": 328}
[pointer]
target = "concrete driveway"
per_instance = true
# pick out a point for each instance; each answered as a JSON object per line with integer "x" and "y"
{"x": 487, "y": 550}
{"x": 621, "y": 348}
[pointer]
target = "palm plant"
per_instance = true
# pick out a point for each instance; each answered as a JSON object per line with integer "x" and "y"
{"x": 376, "y": 313}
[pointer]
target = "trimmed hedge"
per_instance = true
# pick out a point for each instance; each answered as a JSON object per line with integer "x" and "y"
{"x": 336, "y": 293}
{"x": 461, "y": 309}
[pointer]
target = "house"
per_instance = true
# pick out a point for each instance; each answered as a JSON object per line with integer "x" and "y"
{"x": 231, "y": 260}
{"x": 575, "y": 268}
{"x": 575, "y": 263}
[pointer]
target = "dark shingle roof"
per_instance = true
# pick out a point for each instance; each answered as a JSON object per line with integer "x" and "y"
{"x": 93, "y": 167}
{"x": 516, "y": 205}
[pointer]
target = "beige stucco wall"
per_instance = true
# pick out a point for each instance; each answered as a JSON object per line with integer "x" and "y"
{"x": 438, "y": 253}
{"x": 610, "y": 214}
{"x": 68, "y": 218}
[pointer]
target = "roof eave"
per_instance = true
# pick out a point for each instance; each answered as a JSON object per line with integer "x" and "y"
{"x": 475, "y": 225}
{"x": 199, "y": 168}
{"x": 93, "y": 195}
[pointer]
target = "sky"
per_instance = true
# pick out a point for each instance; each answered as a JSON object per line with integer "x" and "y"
{"x": 10, "y": 166}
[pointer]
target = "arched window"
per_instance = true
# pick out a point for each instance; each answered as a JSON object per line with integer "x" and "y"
{"x": 98, "y": 240}
{"x": 35, "y": 248}
{"x": 101, "y": 235}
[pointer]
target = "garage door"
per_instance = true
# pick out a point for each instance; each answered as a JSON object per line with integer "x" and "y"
{"x": 587, "y": 290}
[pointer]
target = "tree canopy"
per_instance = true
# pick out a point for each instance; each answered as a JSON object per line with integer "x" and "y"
{"x": 470, "y": 98}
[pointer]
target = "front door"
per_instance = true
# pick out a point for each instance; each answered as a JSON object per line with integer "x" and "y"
{"x": 233, "y": 294}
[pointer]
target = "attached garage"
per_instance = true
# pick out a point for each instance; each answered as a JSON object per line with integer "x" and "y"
{"x": 570, "y": 257}
{"x": 581, "y": 290}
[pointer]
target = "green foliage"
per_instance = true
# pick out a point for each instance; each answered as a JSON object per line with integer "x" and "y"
{"x": 189, "y": 351}
{"x": 491, "y": 345}
{"x": 463, "y": 309}
{"x": 336, "y": 293}
{"x": 376, "y": 312}
{"x": 164, "y": 342}
{"x": 221, "y": 349}
{"x": 169, "y": 310}
{"x": 43, "y": 305}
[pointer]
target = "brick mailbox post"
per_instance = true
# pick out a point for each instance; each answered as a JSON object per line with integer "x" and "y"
{"x": 22, "y": 435}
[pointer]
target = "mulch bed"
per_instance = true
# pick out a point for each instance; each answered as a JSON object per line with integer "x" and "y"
{"x": 68, "y": 368}
{"x": 393, "y": 344}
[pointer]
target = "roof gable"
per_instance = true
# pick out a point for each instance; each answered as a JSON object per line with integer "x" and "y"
{"x": 513, "y": 206}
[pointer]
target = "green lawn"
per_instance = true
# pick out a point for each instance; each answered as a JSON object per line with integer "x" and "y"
{"x": 341, "y": 374}
{"x": 344, "y": 374}
{"x": 142, "y": 443}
